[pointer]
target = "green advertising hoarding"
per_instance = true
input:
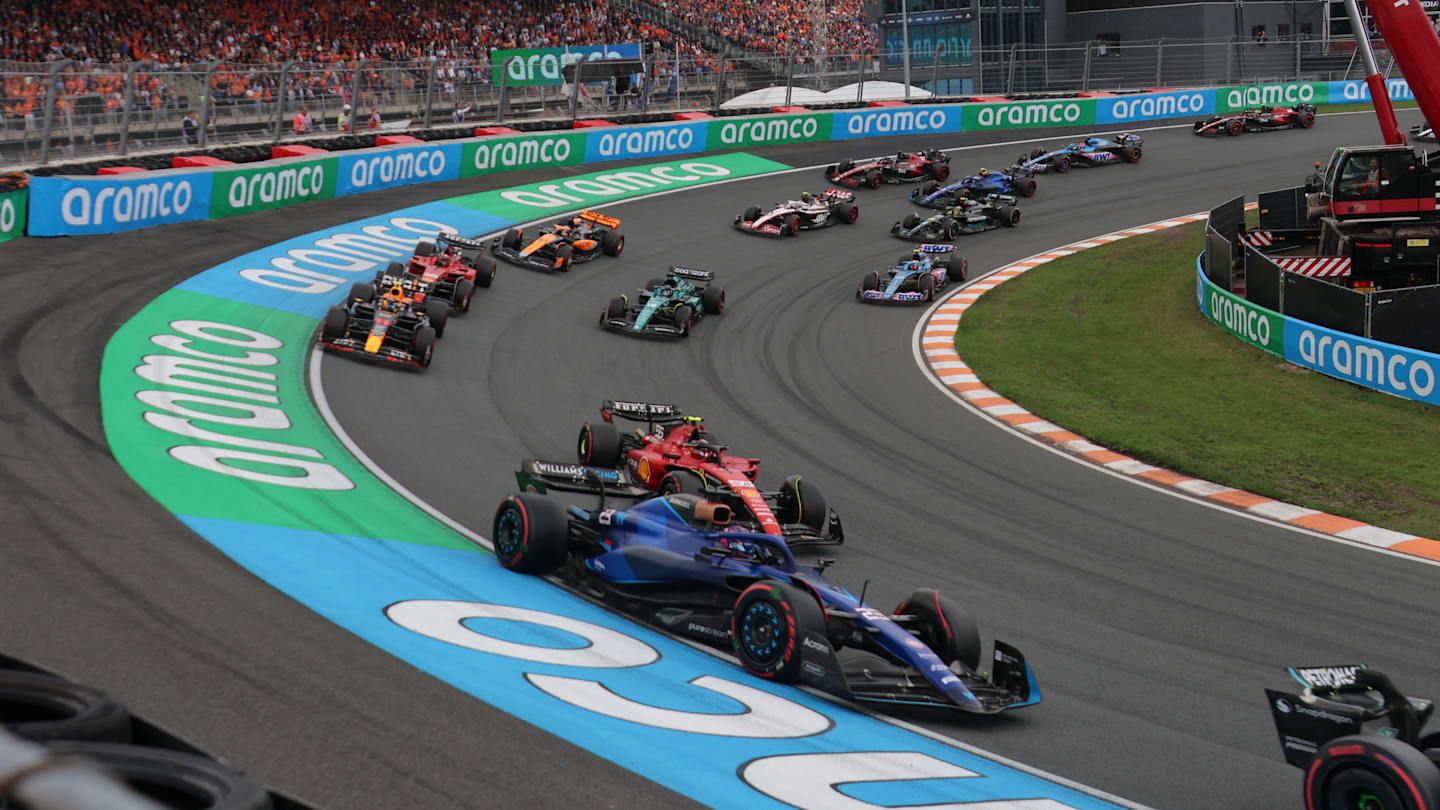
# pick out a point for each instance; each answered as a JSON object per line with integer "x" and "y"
{"x": 531, "y": 67}
{"x": 1057, "y": 113}
{"x": 522, "y": 152}
{"x": 12, "y": 213}
{"x": 1257, "y": 326}
{"x": 725, "y": 134}
{"x": 243, "y": 191}
{"x": 1246, "y": 96}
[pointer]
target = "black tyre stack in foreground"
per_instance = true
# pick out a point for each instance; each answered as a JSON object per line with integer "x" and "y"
{"x": 75, "y": 720}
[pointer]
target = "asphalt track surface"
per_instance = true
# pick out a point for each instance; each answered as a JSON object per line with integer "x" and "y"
{"x": 1152, "y": 622}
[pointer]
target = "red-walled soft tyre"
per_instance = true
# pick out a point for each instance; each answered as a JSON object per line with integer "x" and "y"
{"x": 1366, "y": 772}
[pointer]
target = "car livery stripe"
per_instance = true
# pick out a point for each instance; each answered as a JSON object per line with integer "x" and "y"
{"x": 936, "y": 352}
{"x": 206, "y": 403}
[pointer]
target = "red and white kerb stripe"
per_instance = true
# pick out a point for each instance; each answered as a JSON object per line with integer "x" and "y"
{"x": 1318, "y": 267}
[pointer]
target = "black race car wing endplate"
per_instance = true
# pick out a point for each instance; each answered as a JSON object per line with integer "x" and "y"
{"x": 536, "y": 475}
{"x": 461, "y": 241}
{"x": 651, "y": 412}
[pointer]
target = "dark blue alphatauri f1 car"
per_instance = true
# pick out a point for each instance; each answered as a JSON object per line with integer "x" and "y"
{"x": 916, "y": 279}
{"x": 1089, "y": 152}
{"x": 1011, "y": 182}
{"x": 674, "y": 560}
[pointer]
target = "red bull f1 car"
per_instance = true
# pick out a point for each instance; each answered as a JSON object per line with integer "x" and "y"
{"x": 916, "y": 279}
{"x": 681, "y": 561}
{"x": 391, "y": 327}
{"x": 902, "y": 167}
{"x": 1093, "y": 151}
{"x": 1259, "y": 119}
{"x": 451, "y": 267}
{"x": 1360, "y": 740}
{"x": 558, "y": 246}
{"x": 832, "y": 206}
{"x": 674, "y": 453}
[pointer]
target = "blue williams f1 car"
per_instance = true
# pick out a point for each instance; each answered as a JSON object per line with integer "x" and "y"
{"x": 674, "y": 560}
{"x": 1089, "y": 152}
{"x": 1014, "y": 181}
{"x": 916, "y": 278}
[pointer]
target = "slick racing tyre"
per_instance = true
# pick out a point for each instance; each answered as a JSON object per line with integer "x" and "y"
{"x": 1132, "y": 154}
{"x": 957, "y": 268}
{"x": 929, "y": 188}
{"x": 563, "y": 257}
{"x": 926, "y": 286}
{"x": 336, "y": 320}
{"x": 949, "y": 630}
{"x": 425, "y": 247}
{"x": 801, "y": 500}
{"x": 615, "y": 309}
{"x": 1368, "y": 772}
{"x": 1061, "y": 164}
{"x": 792, "y": 225}
{"x": 874, "y": 178}
{"x": 43, "y": 707}
{"x": 751, "y": 214}
{"x": 1307, "y": 120}
{"x": 485, "y": 274}
{"x": 1035, "y": 153}
{"x": 712, "y": 300}
{"x": 949, "y": 229}
{"x": 464, "y": 291}
{"x": 682, "y": 481}
{"x": 531, "y": 534}
{"x": 684, "y": 316}
{"x": 513, "y": 238}
{"x": 598, "y": 445}
{"x": 848, "y": 213}
{"x": 438, "y": 311}
{"x": 911, "y": 220}
{"x": 1009, "y": 217}
{"x": 769, "y": 626}
{"x": 844, "y": 166}
{"x": 654, "y": 284}
{"x": 1026, "y": 188}
{"x": 612, "y": 243}
{"x": 171, "y": 778}
{"x": 424, "y": 346}
{"x": 871, "y": 281}
{"x": 362, "y": 292}
{"x": 1235, "y": 127}
{"x": 939, "y": 171}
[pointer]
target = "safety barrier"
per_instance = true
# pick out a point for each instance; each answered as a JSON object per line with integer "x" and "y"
{"x": 70, "y": 205}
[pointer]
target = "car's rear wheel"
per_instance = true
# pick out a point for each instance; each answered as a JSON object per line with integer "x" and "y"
{"x": 485, "y": 276}
{"x": 1027, "y": 188}
{"x": 751, "y": 214}
{"x": 956, "y": 268}
{"x": 336, "y": 321}
{"x": 949, "y": 631}
{"x": 801, "y": 501}
{"x": 1009, "y": 217}
{"x": 530, "y": 533}
{"x": 684, "y": 315}
{"x": 949, "y": 228}
{"x": 438, "y": 311}
{"x": 713, "y": 300}
{"x": 1132, "y": 154}
{"x": 513, "y": 237}
{"x": 563, "y": 257}
{"x": 769, "y": 626}
{"x": 849, "y": 212}
{"x": 682, "y": 481}
{"x": 911, "y": 220}
{"x": 464, "y": 291}
{"x": 612, "y": 243}
{"x": 873, "y": 178}
{"x": 926, "y": 286}
{"x": 1307, "y": 120}
{"x": 1061, "y": 164}
{"x": 1235, "y": 127}
{"x": 424, "y": 346}
{"x": 598, "y": 445}
{"x": 939, "y": 171}
{"x": 792, "y": 225}
{"x": 1369, "y": 772}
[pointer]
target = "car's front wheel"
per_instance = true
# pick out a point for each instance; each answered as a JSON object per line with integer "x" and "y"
{"x": 949, "y": 631}
{"x": 769, "y": 626}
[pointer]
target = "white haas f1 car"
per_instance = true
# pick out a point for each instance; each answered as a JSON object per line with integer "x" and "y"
{"x": 829, "y": 207}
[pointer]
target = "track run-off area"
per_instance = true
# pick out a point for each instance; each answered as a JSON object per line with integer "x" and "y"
{"x": 1152, "y": 623}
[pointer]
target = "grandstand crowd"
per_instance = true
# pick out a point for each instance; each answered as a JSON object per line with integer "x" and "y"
{"x": 250, "y": 38}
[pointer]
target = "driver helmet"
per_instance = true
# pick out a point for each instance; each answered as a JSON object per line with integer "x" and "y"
{"x": 913, "y": 264}
{"x": 806, "y": 197}
{"x": 900, "y": 155}
{"x": 577, "y": 221}
{"x": 983, "y": 171}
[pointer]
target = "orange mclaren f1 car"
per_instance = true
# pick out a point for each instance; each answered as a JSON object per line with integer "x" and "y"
{"x": 557, "y": 246}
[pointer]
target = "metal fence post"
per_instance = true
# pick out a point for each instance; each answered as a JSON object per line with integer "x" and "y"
{"x": 860, "y": 85}
{"x": 575, "y": 91}
{"x": 1230, "y": 60}
{"x": 504, "y": 102}
{"x": 645, "y": 82}
{"x": 1159, "y": 60}
{"x": 50, "y": 92}
{"x": 935, "y": 69}
{"x": 280, "y": 106}
{"x": 1010, "y": 71}
{"x": 129, "y": 99}
{"x": 205, "y": 102}
{"x": 430, "y": 93}
{"x": 790, "y": 79}
{"x": 1297, "y": 60}
{"x": 354, "y": 97}
{"x": 1085, "y": 71}
{"x": 720, "y": 81}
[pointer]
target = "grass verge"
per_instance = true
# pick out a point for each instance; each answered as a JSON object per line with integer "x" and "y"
{"x": 1109, "y": 343}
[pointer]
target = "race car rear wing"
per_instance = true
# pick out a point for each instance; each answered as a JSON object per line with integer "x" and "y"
{"x": 462, "y": 241}
{"x": 536, "y": 475}
{"x": 692, "y": 273}
{"x": 651, "y": 413}
{"x": 600, "y": 219}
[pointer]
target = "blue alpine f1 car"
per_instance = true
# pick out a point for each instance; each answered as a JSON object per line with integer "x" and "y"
{"x": 676, "y": 561}
{"x": 1014, "y": 181}
{"x": 1092, "y": 151}
{"x": 916, "y": 279}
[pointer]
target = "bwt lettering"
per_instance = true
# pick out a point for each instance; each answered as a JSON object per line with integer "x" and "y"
{"x": 127, "y": 203}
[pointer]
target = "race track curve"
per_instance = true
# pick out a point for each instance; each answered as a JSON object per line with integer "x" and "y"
{"x": 1152, "y": 623}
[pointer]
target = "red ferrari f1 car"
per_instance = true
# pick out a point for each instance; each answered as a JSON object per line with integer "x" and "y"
{"x": 1260, "y": 119}
{"x": 451, "y": 267}
{"x": 902, "y": 167}
{"x": 674, "y": 453}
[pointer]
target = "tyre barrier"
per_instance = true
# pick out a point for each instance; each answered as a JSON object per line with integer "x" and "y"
{"x": 75, "y": 722}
